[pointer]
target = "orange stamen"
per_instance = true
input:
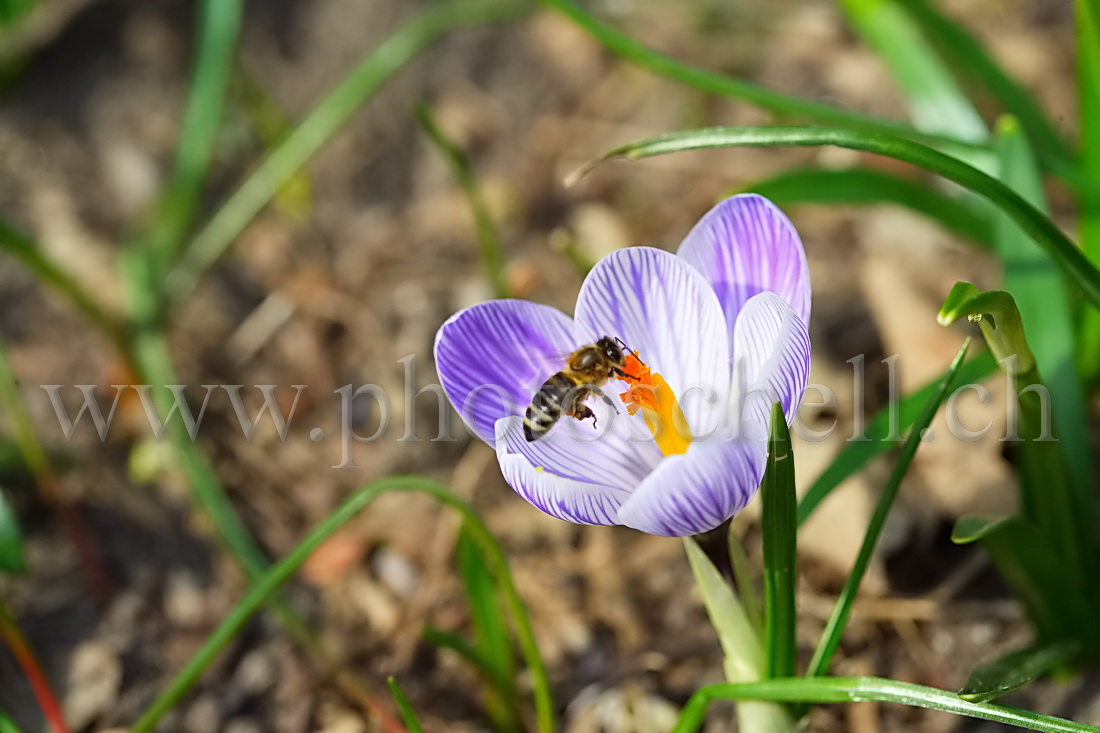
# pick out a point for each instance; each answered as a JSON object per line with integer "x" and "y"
{"x": 650, "y": 393}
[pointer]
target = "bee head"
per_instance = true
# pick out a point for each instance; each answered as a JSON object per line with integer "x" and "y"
{"x": 611, "y": 349}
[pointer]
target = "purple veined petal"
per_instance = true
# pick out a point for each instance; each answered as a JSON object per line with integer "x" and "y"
{"x": 580, "y": 502}
{"x": 493, "y": 356}
{"x": 745, "y": 245}
{"x": 771, "y": 351}
{"x": 617, "y": 451}
{"x": 698, "y": 490}
{"x": 663, "y": 308}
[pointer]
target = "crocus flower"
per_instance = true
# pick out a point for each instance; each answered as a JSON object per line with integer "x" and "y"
{"x": 717, "y": 334}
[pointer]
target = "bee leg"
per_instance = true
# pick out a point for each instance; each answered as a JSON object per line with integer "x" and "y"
{"x": 625, "y": 375}
{"x": 583, "y": 412}
{"x": 608, "y": 401}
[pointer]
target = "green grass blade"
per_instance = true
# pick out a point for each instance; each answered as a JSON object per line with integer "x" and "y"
{"x": 971, "y": 528}
{"x": 460, "y": 646}
{"x": 1050, "y": 587}
{"x": 11, "y": 540}
{"x": 623, "y": 45}
{"x": 936, "y": 104}
{"x": 1088, "y": 110}
{"x": 1041, "y": 295}
{"x": 777, "y": 495}
{"x": 26, "y": 250}
{"x": 858, "y": 453}
{"x": 412, "y": 724}
{"x": 494, "y": 646}
{"x": 834, "y": 627}
{"x": 319, "y": 126}
{"x": 868, "y": 689}
{"x": 219, "y": 23}
{"x": 7, "y": 725}
{"x": 492, "y": 253}
{"x": 153, "y": 365}
{"x": 969, "y": 57}
{"x": 1041, "y": 229}
{"x": 869, "y": 186}
{"x": 1014, "y": 670}
{"x": 12, "y": 11}
{"x": 267, "y": 585}
{"x": 294, "y": 199}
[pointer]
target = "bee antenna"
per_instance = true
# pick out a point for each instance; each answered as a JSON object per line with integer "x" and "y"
{"x": 623, "y": 344}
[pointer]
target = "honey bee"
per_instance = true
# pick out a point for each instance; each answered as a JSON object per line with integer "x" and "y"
{"x": 564, "y": 393}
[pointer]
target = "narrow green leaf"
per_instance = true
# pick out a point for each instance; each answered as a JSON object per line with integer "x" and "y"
{"x": 490, "y": 628}
{"x": 12, "y": 11}
{"x": 834, "y": 627}
{"x": 412, "y": 724}
{"x": 491, "y": 633}
{"x": 294, "y": 199}
{"x": 7, "y": 725}
{"x": 742, "y": 578}
{"x": 319, "y": 126}
{"x": 969, "y": 57}
{"x": 870, "y": 186}
{"x": 153, "y": 364}
{"x": 1046, "y": 491}
{"x": 868, "y": 689}
{"x": 1041, "y": 229}
{"x": 459, "y": 645}
{"x": 11, "y": 540}
{"x": 1040, "y": 291}
{"x": 742, "y": 650}
{"x": 152, "y": 361}
{"x": 1088, "y": 111}
{"x": 936, "y": 104}
{"x": 971, "y": 528}
{"x": 492, "y": 253}
{"x": 996, "y": 313}
{"x": 219, "y": 22}
{"x": 46, "y": 271}
{"x": 777, "y": 494}
{"x": 744, "y": 653}
{"x": 1049, "y": 586}
{"x": 1014, "y": 670}
{"x": 859, "y": 451}
{"x": 623, "y": 45}
{"x": 267, "y": 585}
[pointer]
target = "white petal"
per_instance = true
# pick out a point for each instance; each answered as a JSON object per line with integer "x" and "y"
{"x": 665, "y": 310}
{"x": 618, "y": 451}
{"x": 569, "y": 499}
{"x": 698, "y": 490}
{"x": 771, "y": 351}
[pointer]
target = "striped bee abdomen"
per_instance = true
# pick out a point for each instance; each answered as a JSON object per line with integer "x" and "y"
{"x": 547, "y": 406}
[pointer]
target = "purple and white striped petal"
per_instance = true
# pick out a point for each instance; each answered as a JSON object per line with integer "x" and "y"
{"x": 664, "y": 309}
{"x": 568, "y": 499}
{"x": 617, "y": 451}
{"x": 745, "y": 245}
{"x": 493, "y": 356}
{"x": 771, "y": 350}
{"x": 698, "y": 490}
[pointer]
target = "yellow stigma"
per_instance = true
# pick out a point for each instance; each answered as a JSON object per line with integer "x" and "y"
{"x": 650, "y": 393}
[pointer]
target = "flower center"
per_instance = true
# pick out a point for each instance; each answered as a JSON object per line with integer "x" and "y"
{"x": 650, "y": 393}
